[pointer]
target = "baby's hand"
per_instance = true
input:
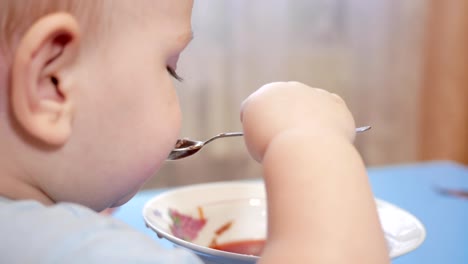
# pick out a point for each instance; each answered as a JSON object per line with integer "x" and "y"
{"x": 282, "y": 106}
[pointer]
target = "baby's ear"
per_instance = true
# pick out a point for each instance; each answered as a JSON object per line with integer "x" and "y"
{"x": 41, "y": 89}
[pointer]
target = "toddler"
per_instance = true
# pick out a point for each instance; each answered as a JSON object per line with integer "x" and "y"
{"x": 88, "y": 113}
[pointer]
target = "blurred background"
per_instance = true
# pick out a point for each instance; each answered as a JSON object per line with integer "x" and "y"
{"x": 401, "y": 66}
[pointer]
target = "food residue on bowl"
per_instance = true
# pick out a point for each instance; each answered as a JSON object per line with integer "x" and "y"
{"x": 247, "y": 247}
{"x": 184, "y": 226}
{"x": 187, "y": 228}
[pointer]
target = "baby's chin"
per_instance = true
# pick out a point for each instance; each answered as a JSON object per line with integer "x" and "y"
{"x": 124, "y": 199}
{"x": 124, "y": 195}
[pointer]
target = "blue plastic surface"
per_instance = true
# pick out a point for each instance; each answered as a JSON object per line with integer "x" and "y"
{"x": 411, "y": 187}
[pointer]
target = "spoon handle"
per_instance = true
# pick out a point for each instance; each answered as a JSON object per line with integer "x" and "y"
{"x": 362, "y": 129}
{"x": 227, "y": 134}
{"x": 237, "y": 134}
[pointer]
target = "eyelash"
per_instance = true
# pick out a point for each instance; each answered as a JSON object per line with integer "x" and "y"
{"x": 174, "y": 74}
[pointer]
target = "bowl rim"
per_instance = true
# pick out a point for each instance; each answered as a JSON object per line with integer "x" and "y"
{"x": 252, "y": 184}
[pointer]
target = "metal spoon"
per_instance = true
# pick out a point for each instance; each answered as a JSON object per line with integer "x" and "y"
{"x": 186, "y": 147}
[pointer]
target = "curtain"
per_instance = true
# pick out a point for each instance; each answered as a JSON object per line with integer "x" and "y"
{"x": 444, "y": 100}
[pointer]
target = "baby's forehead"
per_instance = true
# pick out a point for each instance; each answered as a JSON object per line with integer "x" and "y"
{"x": 149, "y": 15}
{"x": 161, "y": 15}
{"x": 153, "y": 10}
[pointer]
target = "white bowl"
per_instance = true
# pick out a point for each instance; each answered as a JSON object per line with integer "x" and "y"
{"x": 244, "y": 204}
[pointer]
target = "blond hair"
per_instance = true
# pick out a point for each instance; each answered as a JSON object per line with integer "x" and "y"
{"x": 16, "y": 16}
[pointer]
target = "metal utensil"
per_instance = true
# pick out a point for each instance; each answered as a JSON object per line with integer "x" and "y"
{"x": 186, "y": 147}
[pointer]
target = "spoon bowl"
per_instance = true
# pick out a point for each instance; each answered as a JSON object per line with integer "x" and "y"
{"x": 186, "y": 147}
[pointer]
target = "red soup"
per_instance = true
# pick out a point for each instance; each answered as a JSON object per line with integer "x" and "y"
{"x": 247, "y": 247}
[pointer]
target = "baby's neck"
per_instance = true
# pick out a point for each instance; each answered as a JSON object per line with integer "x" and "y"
{"x": 14, "y": 189}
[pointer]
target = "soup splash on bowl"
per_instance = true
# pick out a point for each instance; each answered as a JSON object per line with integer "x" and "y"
{"x": 187, "y": 227}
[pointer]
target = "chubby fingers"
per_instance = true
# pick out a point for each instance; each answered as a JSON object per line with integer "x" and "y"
{"x": 280, "y": 106}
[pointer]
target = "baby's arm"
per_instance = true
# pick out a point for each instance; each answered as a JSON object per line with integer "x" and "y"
{"x": 320, "y": 206}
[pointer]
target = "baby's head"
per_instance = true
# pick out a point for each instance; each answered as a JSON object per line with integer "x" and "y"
{"x": 88, "y": 110}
